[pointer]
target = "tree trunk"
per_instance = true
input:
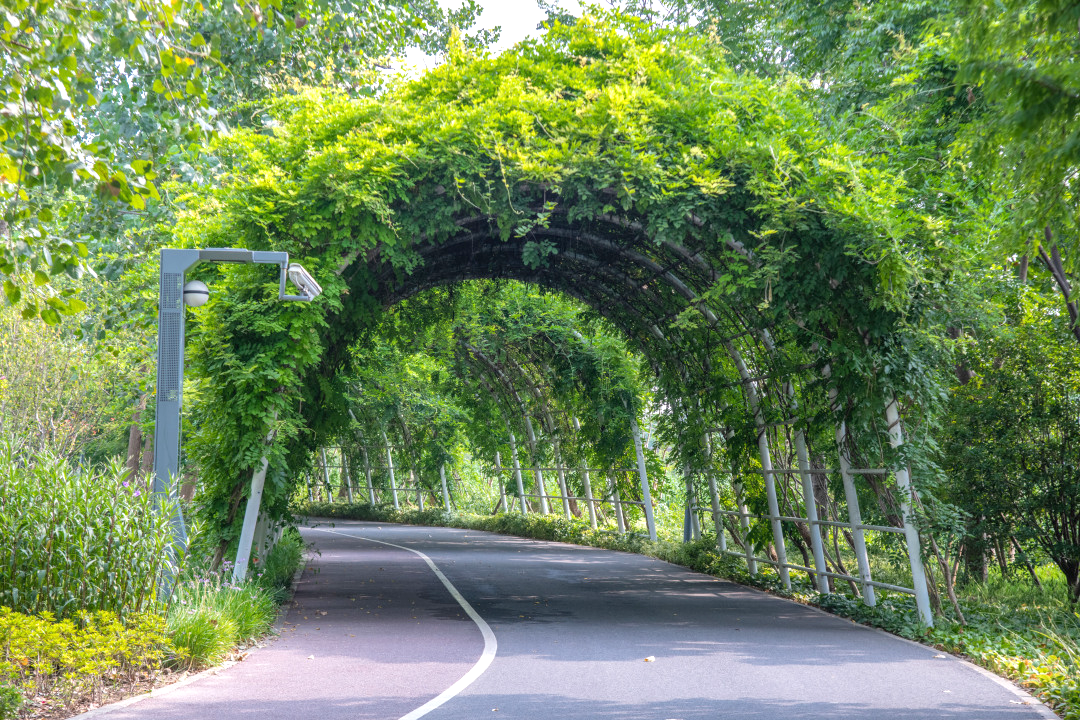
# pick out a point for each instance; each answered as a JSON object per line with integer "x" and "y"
{"x": 147, "y": 460}
{"x": 1057, "y": 269}
{"x": 187, "y": 490}
{"x": 950, "y": 577}
{"x": 1070, "y": 568}
{"x": 135, "y": 440}
{"x": 975, "y": 563}
{"x": 1027, "y": 563}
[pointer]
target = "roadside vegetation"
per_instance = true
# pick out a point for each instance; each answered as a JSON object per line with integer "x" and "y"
{"x": 85, "y": 546}
{"x": 799, "y": 213}
{"x": 82, "y": 616}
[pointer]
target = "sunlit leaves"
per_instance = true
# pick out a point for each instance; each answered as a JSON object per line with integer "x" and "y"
{"x": 89, "y": 96}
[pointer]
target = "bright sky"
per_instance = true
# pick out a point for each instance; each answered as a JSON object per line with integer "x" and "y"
{"x": 518, "y": 19}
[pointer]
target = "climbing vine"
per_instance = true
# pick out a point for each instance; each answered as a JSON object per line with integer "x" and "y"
{"x": 611, "y": 132}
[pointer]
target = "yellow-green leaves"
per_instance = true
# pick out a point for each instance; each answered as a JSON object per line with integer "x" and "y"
{"x": 78, "y": 656}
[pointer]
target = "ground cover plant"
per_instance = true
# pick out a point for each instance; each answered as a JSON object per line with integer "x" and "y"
{"x": 209, "y": 615}
{"x": 84, "y": 658}
{"x": 1027, "y": 634}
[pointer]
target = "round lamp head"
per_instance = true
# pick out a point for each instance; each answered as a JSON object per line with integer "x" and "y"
{"x": 196, "y": 293}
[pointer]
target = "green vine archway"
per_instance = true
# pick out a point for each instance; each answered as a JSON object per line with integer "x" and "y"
{"x": 707, "y": 214}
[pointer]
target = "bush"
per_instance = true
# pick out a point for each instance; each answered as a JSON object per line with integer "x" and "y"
{"x": 276, "y": 571}
{"x": 76, "y": 538}
{"x": 209, "y": 616}
{"x": 77, "y": 656}
{"x": 201, "y": 635}
{"x": 10, "y": 702}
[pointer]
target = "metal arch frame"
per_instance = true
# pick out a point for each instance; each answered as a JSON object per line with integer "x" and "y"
{"x": 491, "y": 249}
{"x": 471, "y": 360}
{"x": 479, "y": 361}
{"x": 587, "y": 259}
{"x": 553, "y": 428}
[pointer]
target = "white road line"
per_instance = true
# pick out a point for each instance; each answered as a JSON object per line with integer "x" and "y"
{"x": 491, "y": 645}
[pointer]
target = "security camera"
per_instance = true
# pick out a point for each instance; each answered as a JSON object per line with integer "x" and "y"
{"x": 302, "y": 279}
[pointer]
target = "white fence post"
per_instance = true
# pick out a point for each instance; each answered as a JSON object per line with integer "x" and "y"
{"x": 517, "y": 473}
{"x": 643, "y": 477}
{"x": 445, "y": 492}
{"x": 390, "y": 466}
{"x": 911, "y": 533}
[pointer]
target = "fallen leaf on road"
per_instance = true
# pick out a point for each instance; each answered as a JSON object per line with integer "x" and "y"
{"x": 650, "y": 659}
{"x": 939, "y": 656}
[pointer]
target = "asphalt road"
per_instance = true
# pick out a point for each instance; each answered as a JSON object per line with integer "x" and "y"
{"x": 374, "y": 633}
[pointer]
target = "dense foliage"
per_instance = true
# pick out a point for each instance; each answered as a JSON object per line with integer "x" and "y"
{"x": 101, "y": 103}
{"x": 1011, "y": 438}
{"x": 76, "y": 538}
{"x": 607, "y": 118}
{"x": 723, "y": 211}
{"x": 78, "y": 657}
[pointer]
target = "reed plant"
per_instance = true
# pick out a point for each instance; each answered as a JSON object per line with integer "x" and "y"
{"x": 76, "y": 538}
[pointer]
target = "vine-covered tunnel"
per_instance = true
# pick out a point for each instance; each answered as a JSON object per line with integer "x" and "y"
{"x": 769, "y": 277}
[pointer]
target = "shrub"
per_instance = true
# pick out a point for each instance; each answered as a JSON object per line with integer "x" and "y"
{"x": 200, "y": 636}
{"x": 10, "y": 702}
{"x": 277, "y": 570}
{"x": 80, "y": 655}
{"x": 76, "y": 538}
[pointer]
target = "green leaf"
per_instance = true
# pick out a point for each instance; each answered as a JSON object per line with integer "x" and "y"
{"x": 50, "y": 316}
{"x": 40, "y": 278}
{"x": 12, "y": 291}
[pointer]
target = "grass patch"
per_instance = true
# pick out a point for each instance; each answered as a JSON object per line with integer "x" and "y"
{"x": 69, "y": 664}
{"x": 209, "y": 616}
{"x": 1015, "y": 630}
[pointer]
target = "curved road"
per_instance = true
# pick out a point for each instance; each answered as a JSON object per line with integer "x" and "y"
{"x": 374, "y": 633}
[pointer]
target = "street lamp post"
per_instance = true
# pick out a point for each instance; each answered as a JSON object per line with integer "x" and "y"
{"x": 170, "y": 368}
